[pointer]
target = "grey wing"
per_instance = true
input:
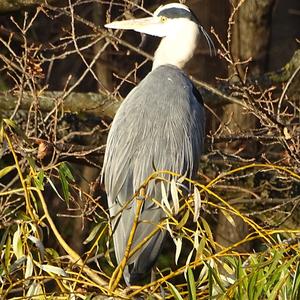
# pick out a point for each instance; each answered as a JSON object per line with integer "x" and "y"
{"x": 159, "y": 125}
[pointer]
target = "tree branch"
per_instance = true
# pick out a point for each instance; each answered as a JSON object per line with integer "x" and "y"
{"x": 8, "y": 5}
{"x": 106, "y": 106}
{"x": 102, "y": 106}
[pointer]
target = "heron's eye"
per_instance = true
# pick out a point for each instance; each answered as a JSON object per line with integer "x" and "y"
{"x": 163, "y": 19}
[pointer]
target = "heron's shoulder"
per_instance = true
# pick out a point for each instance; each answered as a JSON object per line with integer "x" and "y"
{"x": 169, "y": 70}
{"x": 176, "y": 75}
{"x": 165, "y": 76}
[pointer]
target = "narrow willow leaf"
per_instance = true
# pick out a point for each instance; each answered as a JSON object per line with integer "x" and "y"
{"x": 181, "y": 179}
{"x": 39, "y": 180}
{"x": 227, "y": 268}
{"x": 296, "y": 283}
{"x": 228, "y": 217}
{"x": 275, "y": 291}
{"x": 52, "y": 269}
{"x": 53, "y": 253}
{"x": 174, "y": 195}
{"x": 65, "y": 176}
{"x": 188, "y": 260}
{"x": 201, "y": 247}
{"x": 191, "y": 285}
{"x": 169, "y": 229}
{"x": 6, "y": 170}
{"x": 18, "y": 263}
{"x": 35, "y": 289}
{"x": 3, "y": 238}
{"x": 31, "y": 162}
{"x": 214, "y": 275}
{"x": 64, "y": 184}
{"x": 10, "y": 123}
{"x": 178, "y": 244}
{"x": 29, "y": 267}
{"x": 197, "y": 203}
{"x": 278, "y": 255}
{"x": 1, "y": 139}
{"x": 203, "y": 275}
{"x": 66, "y": 171}
{"x": 17, "y": 244}
{"x": 54, "y": 188}
{"x": 164, "y": 199}
{"x": 174, "y": 291}
{"x": 7, "y": 252}
{"x": 208, "y": 233}
{"x": 252, "y": 291}
{"x": 38, "y": 243}
{"x": 92, "y": 234}
{"x": 196, "y": 239}
{"x": 183, "y": 220}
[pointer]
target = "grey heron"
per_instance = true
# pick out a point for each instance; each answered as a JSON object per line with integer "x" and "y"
{"x": 159, "y": 126}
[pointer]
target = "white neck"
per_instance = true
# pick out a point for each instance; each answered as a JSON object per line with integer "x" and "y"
{"x": 178, "y": 47}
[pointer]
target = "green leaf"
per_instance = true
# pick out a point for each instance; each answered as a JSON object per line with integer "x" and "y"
{"x": 1, "y": 136}
{"x": 31, "y": 162}
{"x": 64, "y": 168}
{"x": 277, "y": 287}
{"x": 18, "y": 130}
{"x": 174, "y": 291}
{"x": 52, "y": 269}
{"x": 208, "y": 232}
{"x": 164, "y": 199}
{"x": 6, "y": 170}
{"x": 92, "y": 234}
{"x": 3, "y": 239}
{"x": 38, "y": 243}
{"x": 296, "y": 283}
{"x": 65, "y": 175}
{"x": 183, "y": 220}
{"x": 228, "y": 217}
{"x": 35, "y": 289}
{"x": 17, "y": 264}
{"x": 239, "y": 277}
{"x": 191, "y": 285}
{"x": 201, "y": 247}
{"x": 178, "y": 244}
{"x": 252, "y": 291}
{"x": 29, "y": 267}
{"x": 53, "y": 253}
{"x": 203, "y": 275}
{"x": 197, "y": 202}
{"x": 213, "y": 275}
{"x": 17, "y": 244}
{"x": 174, "y": 194}
{"x": 39, "y": 180}
{"x": 10, "y": 123}
{"x": 7, "y": 252}
{"x": 260, "y": 284}
{"x": 54, "y": 188}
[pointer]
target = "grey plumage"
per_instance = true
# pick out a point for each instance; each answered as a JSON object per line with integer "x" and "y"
{"x": 159, "y": 126}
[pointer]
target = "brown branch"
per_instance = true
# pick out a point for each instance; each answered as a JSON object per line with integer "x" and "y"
{"x": 105, "y": 106}
{"x": 100, "y": 105}
{"x": 8, "y": 5}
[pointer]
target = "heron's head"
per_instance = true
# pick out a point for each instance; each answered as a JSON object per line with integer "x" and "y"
{"x": 178, "y": 27}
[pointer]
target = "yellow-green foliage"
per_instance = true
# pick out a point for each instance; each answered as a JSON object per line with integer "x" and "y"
{"x": 205, "y": 270}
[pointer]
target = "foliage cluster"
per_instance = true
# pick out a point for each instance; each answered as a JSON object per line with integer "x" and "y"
{"x": 43, "y": 148}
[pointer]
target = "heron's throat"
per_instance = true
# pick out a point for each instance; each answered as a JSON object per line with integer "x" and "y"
{"x": 176, "y": 49}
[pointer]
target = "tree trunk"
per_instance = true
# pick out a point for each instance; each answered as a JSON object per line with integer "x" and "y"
{"x": 250, "y": 39}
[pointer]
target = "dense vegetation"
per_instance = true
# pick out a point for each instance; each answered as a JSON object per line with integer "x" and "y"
{"x": 235, "y": 236}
